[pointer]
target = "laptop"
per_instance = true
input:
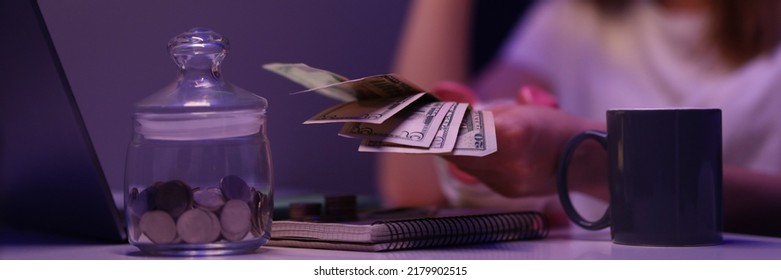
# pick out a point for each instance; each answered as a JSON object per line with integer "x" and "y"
{"x": 50, "y": 177}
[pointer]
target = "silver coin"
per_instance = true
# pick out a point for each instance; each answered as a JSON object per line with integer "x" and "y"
{"x": 234, "y": 187}
{"x": 235, "y": 219}
{"x": 158, "y": 226}
{"x": 143, "y": 201}
{"x": 209, "y": 199}
{"x": 173, "y": 197}
{"x": 215, "y": 190}
{"x": 198, "y": 226}
{"x": 254, "y": 206}
{"x": 265, "y": 211}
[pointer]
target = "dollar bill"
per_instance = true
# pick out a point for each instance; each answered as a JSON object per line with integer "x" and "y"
{"x": 476, "y": 137}
{"x": 372, "y": 87}
{"x": 365, "y": 111}
{"x": 311, "y": 78}
{"x": 444, "y": 141}
{"x": 416, "y": 125}
{"x": 340, "y": 88}
{"x": 372, "y": 99}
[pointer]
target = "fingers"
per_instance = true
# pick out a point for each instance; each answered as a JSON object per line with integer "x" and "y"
{"x": 454, "y": 91}
{"x": 532, "y": 95}
{"x": 527, "y": 95}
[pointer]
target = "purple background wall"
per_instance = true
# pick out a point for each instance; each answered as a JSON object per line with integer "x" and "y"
{"x": 114, "y": 54}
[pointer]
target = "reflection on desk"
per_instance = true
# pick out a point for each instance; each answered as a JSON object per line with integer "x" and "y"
{"x": 565, "y": 244}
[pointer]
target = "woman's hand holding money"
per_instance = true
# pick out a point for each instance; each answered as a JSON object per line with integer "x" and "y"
{"x": 531, "y": 133}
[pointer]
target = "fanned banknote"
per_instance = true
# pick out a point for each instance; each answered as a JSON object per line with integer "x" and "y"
{"x": 416, "y": 125}
{"x": 376, "y": 110}
{"x": 311, "y": 78}
{"x": 476, "y": 135}
{"x": 390, "y": 114}
{"x": 444, "y": 141}
{"x": 372, "y": 87}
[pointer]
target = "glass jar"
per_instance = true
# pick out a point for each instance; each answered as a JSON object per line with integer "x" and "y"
{"x": 198, "y": 170}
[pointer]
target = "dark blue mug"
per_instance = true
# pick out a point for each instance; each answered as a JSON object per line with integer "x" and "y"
{"x": 665, "y": 177}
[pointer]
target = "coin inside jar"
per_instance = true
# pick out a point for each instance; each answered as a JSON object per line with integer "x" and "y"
{"x": 210, "y": 199}
{"x": 234, "y": 187}
{"x": 254, "y": 204}
{"x": 158, "y": 226}
{"x": 198, "y": 226}
{"x": 173, "y": 197}
{"x": 235, "y": 219}
{"x": 143, "y": 201}
{"x": 264, "y": 211}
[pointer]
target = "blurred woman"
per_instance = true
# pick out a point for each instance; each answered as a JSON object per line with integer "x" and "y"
{"x": 592, "y": 56}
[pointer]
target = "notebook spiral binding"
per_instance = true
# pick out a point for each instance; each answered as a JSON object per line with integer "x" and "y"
{"x": 459, "y": 230}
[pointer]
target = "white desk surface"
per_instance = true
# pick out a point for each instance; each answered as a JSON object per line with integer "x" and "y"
{"x": 567, "y": 244}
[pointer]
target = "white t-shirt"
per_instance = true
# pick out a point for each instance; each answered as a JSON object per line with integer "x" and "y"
{"x": 652, "y": 59}
{"x": 649, "y": 58}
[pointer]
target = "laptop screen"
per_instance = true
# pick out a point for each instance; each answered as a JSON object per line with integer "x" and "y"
{"x": 50, "y": 178}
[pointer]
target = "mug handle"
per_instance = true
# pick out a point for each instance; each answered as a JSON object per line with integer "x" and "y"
{"x": 561, "y": 181}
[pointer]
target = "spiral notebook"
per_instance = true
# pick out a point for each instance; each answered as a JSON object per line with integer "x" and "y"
{"x": 402, "y": 234}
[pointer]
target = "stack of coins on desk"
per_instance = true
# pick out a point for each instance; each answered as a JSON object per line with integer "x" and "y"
{"x": 173, "y": 212}
{"x": 305, "y": 211}
{"x": 341, "y": 208}
{"x": 337, "y": 209}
